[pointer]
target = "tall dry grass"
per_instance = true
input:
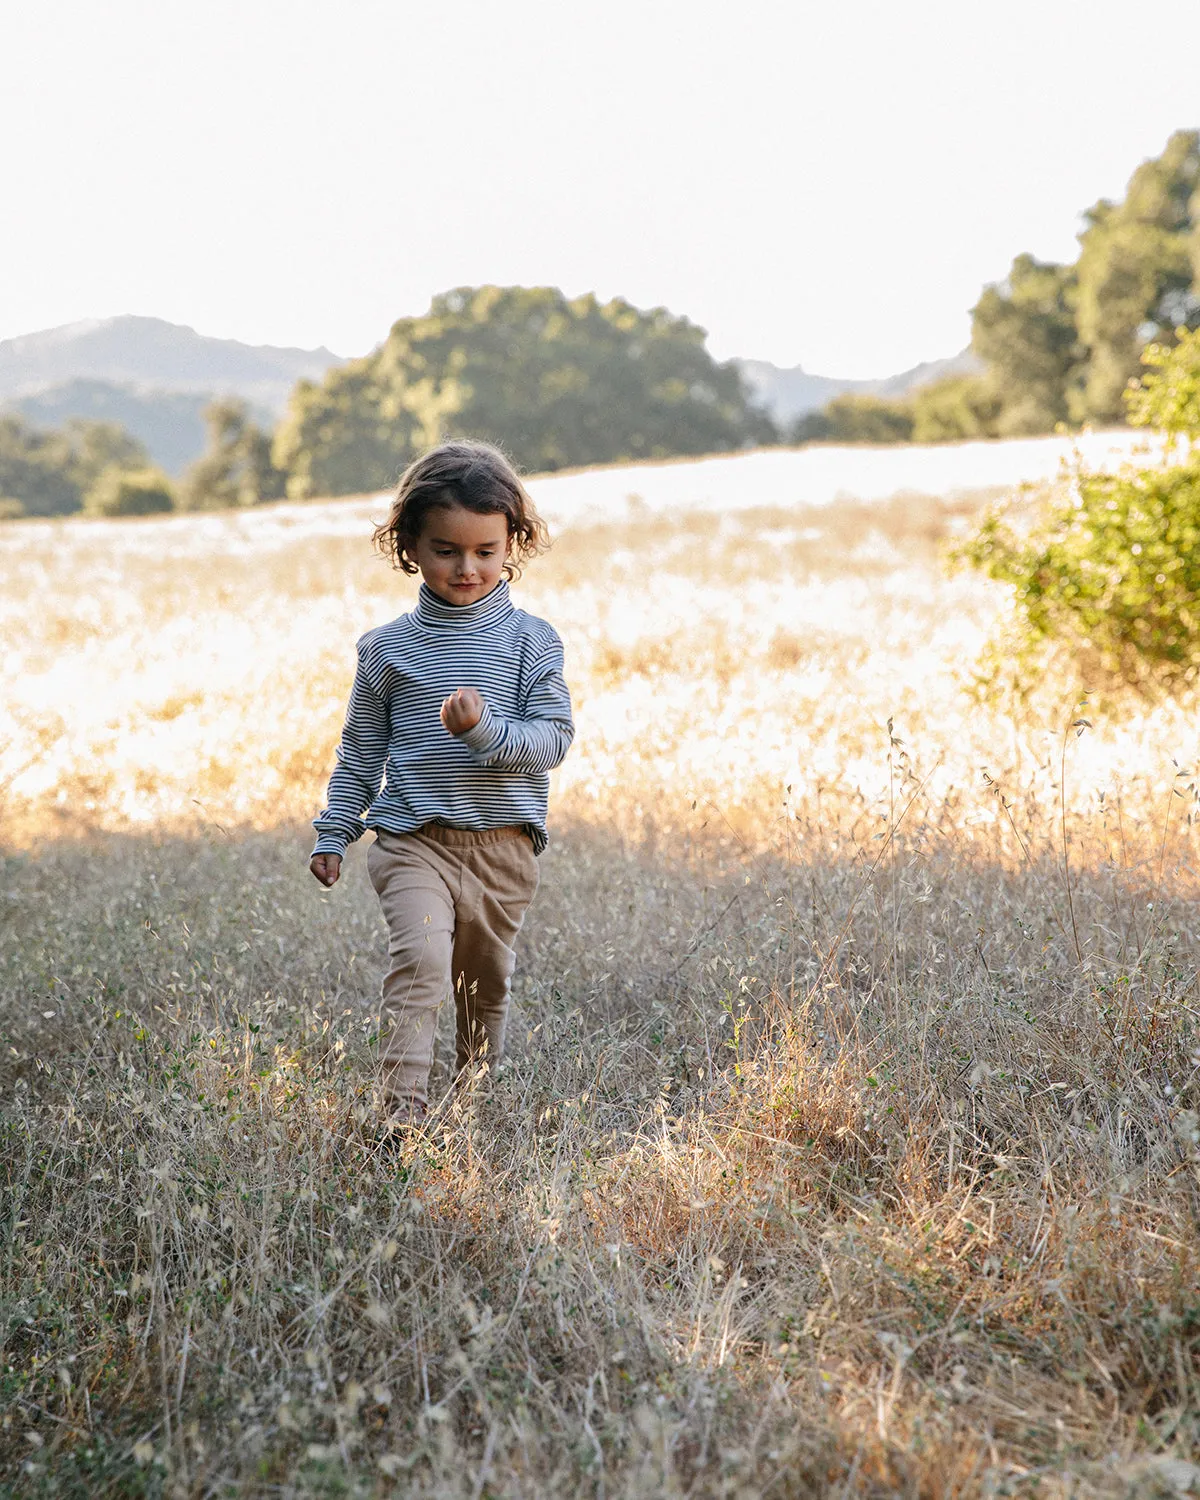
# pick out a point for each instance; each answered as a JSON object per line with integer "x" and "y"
{"x": 849, "y": 1140}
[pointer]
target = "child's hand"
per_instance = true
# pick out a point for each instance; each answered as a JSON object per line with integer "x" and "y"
{"x": 326, "y": 867}
{"x": 462, "y": 710}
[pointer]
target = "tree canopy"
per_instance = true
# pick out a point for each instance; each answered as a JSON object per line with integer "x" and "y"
{"x": 1025, "y": 331}
{"x": 129, "y": 492}
{"x": 1062, "y": 342}
{"x": 49, "y": 472}
{"x": 236, "y": 468}
{"x": 856, "y": 418}
{"x": 946, "y": 410}
{"x": 554, "y": 381}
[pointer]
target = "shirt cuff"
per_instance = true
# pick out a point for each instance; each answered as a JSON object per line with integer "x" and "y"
{"x": 330, "y": 843}
{"x": 486, "y": 737}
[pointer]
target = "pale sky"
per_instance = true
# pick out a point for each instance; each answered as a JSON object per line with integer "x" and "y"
{"x": 828, "y": 184}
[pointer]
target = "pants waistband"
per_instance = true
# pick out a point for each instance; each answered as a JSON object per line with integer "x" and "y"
{"x": 471, "y": 838}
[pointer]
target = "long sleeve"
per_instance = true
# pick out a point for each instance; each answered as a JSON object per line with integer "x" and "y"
{"x": 398, "y": 768}
{"x": 541, "y": 737}
{"x": 361, "y": 758}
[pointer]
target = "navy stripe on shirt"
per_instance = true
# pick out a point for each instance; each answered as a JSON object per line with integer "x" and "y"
{"x": 494, "y": 775}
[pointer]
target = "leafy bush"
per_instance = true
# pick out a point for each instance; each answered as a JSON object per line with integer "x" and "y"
{"x": 950, "y": 410}
{"x": 856, "y": 419}
{"x": 1169, "y": 400}
{"x": 1110, "y": 566}
{"x": 1112, "y": 569}
{"x": 129, "y": 492}
{"x": 954, "y": 409}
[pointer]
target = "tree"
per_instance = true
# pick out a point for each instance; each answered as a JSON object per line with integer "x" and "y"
{"x": 1061, "y": 342}
{"x": 335, "y": 438}
{"x": 856, "y": 419}
{"x": 35, "y": 470}
{"x": 237, "y": 469}
{"x": 47, "y": 472}
{"x": 1136, "y": 272}
{"x": 954, "y": 409}
{"x": 129, "y": 492}
{"x": 553, "y": 381}
{"x": 1024, "y": 329}
{"x": 99, "y": 446}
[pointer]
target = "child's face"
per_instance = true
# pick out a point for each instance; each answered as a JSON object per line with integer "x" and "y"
{"x": 461, "y": 554}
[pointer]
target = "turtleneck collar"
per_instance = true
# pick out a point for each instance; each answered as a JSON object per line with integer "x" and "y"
{"x": 438, "y": 615}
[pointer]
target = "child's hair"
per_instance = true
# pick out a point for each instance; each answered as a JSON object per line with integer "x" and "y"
{"x": 471, "y": 474}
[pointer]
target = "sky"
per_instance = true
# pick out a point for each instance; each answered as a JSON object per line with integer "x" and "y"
{"x": 820, "y": 184}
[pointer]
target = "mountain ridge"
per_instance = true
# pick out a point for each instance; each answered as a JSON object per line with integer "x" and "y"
{"x": 152, "y": 354}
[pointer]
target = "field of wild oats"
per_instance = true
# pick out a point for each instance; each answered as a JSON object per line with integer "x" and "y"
{"x": 848, "y": 1143}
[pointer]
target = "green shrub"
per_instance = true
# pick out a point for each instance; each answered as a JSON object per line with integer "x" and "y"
{"x": 954, "y": 409}
{"x": 129, "y": 492}
{"x": 948, "y": 410}
{"x": 851, "y": 418}
{"x": 1109, "y": 567}
{"x": 1169, "y": 400}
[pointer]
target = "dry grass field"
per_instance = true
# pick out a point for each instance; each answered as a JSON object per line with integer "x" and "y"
{"x": 849, "y": 1140}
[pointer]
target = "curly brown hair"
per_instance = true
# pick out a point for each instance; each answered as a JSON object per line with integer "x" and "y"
{"x": 471, "y": 474}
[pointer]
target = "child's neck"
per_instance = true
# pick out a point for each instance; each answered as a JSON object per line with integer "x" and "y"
{"x": 433, "y": 610}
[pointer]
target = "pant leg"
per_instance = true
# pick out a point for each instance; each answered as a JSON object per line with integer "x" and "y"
{"x": 418, "y": 906}
{"x": 499, "y": 881}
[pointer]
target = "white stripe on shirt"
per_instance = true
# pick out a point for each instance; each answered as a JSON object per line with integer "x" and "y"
{"x": 494, "y": 775}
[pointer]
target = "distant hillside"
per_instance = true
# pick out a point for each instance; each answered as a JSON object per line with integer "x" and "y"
{"x": 149, "y": 354}
{"x": 788, "y": 394}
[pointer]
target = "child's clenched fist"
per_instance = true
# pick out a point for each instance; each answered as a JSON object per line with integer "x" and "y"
{"x": 462, "y": 710}
{"x": 326, "y": 867}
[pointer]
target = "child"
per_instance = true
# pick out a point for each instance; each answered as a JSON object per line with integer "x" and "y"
{"x": 462, "y": 704}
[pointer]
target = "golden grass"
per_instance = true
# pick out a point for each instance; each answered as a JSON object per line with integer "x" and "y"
{"x": 849, "y": 1142}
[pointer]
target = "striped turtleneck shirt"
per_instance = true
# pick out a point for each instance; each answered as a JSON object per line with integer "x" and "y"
{"x": 494, "y": 775}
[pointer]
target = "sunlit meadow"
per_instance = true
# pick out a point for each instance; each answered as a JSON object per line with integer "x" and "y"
{"x": 849, "y": 1139}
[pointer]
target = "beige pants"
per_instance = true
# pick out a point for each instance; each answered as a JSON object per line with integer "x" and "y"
{"x": 453, "y": 901}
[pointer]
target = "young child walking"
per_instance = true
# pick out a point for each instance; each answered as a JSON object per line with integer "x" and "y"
{"x": 460, "y": 709}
